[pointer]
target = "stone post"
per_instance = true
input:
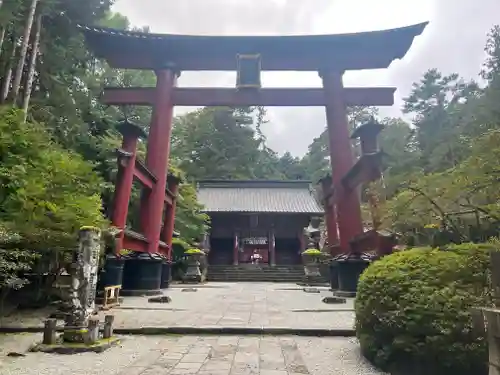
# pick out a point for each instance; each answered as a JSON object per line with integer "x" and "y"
{"x": 49, "y": 332}
{"x": 83, "y": 284}
{"x": 92, "y": 332}
{"x": 492, "y": 317}
{"x": 108, "y": 326}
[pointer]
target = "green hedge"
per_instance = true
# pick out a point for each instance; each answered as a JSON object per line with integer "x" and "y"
{"x": 413, "y": 307}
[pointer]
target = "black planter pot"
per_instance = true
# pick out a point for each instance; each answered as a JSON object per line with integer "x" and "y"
{"x": 112, "y": 273}
{"x": 166, "y": 269}
{"x": 142, "y": 274}
{"x": 349, "y": 268}
{"x": 334, "y": 275}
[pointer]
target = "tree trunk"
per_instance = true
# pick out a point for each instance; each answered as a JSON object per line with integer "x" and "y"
{"x": 32, "y": 65}
{"x": 2, "y": 37}
{"x": 22, "y": 53}
{"x": 8, "y": 73}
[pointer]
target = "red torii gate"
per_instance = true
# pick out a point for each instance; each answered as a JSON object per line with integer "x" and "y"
{"x": 329, "y": 55}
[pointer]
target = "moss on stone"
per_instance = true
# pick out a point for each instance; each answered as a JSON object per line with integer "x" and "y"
{"x": 74, "y": 348}
{"x": 312, "y": 252}
{"x": 126, "y": 252}
{"x": 194, "y": 251}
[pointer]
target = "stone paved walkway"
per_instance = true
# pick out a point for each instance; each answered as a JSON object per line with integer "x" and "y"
{"x": 253, "y": 305}
{"x": 213, "y": 304}
{"x": 237, "y": 305}
{"x": 203, "y": 355}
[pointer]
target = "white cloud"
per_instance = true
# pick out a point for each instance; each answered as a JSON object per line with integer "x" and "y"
{"x": 453, "y": 42}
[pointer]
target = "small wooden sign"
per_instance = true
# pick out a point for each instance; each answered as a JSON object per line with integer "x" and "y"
{"x": 248, "y": 73}
{"x": 255, "y": 241}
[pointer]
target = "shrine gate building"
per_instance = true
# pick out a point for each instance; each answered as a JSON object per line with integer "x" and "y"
{"x": 267, "y": 217}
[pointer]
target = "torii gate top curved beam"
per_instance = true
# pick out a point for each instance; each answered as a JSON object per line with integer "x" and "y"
{"x": 356, "y": 51}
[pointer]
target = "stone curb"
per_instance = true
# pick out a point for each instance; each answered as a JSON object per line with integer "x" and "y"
{"x": 236, "y": 331}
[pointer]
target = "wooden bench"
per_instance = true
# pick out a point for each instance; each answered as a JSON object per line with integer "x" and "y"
{"x": 111, "y": 296}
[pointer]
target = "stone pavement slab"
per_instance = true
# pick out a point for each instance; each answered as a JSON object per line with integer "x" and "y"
{"x": 276, "y": 305}
{"x": 204, "y": 355}
{"x": 243, "y": 305}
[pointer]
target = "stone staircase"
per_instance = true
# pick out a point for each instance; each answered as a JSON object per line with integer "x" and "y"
{"x": 252, "y": 272}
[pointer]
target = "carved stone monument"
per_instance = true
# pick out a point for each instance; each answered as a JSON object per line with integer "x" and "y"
{"x": 83, "y": 284}
{"x": 489, "y": 323}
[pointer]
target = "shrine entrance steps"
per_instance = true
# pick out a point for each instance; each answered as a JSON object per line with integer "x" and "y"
{"x": 257, "y": 273}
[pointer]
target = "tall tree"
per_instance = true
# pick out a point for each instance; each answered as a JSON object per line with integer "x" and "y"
{"x": 32, "y": 65}
{"x": 218, "y": 143}
{"x": 18, "y": 74}
{"x": 434, "y": 101}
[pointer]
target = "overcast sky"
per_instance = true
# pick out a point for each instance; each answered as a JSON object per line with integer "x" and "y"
{"x": 453, "y": 42}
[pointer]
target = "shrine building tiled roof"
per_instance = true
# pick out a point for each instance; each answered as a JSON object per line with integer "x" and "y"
{"x": 258, "y": 196}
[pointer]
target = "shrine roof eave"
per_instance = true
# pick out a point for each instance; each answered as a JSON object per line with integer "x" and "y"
{"x": 355, "y": 51}
{"x": 268, "y": 212}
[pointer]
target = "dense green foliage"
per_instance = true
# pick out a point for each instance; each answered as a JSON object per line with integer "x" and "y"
{"x": 46, "y": 194}
{"x": 43, "y": 186}
{"x": 414, "y": 308}
{"x": 446, "y": 174}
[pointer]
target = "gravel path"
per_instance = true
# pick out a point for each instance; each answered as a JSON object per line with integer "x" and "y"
{"x": 203, "y": 355}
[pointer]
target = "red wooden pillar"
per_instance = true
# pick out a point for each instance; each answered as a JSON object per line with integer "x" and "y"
{"x": 236, "y": 253}
{"x": 169, "y": 222}
{"x": 157, "y": 157}
{"x": 331, "y": 226}
{"x": 348, "y": 204}
{"x": 330, "y": 214}
{"x": 125, "y": 176}
{"x": 272, "y": 248}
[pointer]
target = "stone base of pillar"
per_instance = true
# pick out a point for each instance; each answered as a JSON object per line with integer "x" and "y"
{"x": 333, "y": 275}
{"x": 112, "y": 274}
{"x": 142, "y": 275}
{"x": 349, "y": 269}
{"x": 166, "y": 271}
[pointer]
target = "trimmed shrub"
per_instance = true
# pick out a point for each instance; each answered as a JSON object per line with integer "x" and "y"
{"x": 179, "y": 265}
{"x": 413, "y": 310}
